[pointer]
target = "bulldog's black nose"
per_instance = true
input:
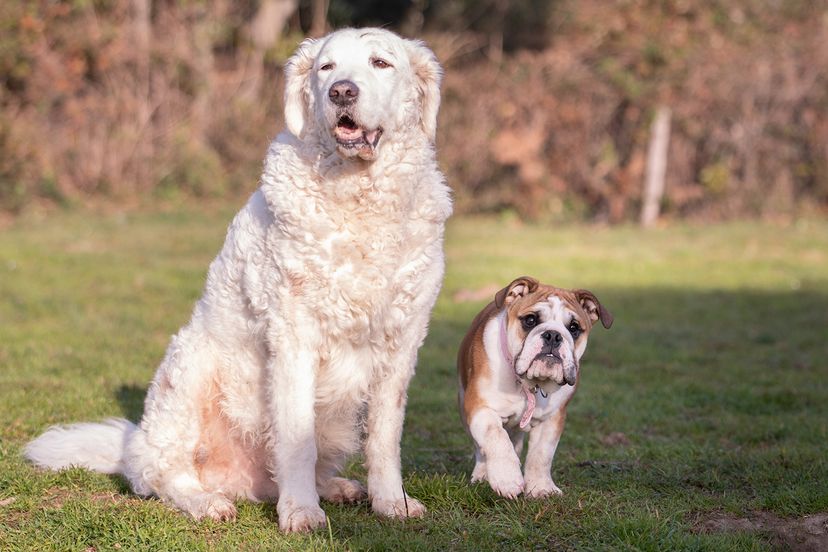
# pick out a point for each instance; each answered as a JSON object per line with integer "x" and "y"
{"x": 343, "y": 92}
{"x": 553, "y": 339}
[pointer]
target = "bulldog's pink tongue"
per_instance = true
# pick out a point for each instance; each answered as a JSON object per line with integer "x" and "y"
{"x": 530, "y": 407}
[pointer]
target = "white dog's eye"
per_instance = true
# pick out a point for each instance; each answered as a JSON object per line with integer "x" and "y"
{"x": 380, "y": 63}
{"x": 327, "y": 67}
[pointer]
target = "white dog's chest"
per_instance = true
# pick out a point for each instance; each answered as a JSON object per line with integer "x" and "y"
{"x": 355, "y": 276}
{"x": 357, "y": 252}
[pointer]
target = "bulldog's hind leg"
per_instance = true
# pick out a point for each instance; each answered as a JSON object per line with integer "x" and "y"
{"x": 479, "y": 471}
{"x": 517, "y": 436}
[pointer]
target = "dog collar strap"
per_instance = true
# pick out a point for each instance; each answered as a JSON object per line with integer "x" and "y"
{"x": 530, "y": 407}
{"x": 504, "y": 343}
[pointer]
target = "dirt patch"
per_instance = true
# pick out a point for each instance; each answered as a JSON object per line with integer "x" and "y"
{"x": 615, "y": 439}
{"x": 806, "y": 534}
{"x": 466, "y": 295}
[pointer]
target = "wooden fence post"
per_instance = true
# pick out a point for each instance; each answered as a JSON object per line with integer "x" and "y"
{"x": 656, "y": 167}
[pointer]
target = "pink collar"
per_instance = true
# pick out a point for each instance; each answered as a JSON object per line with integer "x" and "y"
{"x": 504, "y": 344}
{"x": 510, "y": 361}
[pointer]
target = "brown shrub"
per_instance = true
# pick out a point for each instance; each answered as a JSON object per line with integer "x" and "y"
{"x": 101, "y": 100}
{"x": 563, "y": 132}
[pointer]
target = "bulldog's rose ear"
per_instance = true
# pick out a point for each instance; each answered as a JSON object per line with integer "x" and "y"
{"x": 518, "y": 288}
{"x": 593, "y": 307}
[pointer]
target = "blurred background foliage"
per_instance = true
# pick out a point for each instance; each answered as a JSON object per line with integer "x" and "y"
{"x": 546, "y": 110}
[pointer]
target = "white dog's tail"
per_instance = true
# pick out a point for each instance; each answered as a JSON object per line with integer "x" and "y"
{"x": 98, "y": 447}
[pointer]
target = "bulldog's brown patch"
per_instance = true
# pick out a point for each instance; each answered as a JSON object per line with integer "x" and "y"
{"x": 473, "y": 363}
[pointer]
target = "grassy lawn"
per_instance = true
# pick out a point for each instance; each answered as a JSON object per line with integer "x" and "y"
{"x": 708, "y": 399}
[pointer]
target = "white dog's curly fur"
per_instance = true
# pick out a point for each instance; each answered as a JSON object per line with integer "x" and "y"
{"x": 308, "y": 329}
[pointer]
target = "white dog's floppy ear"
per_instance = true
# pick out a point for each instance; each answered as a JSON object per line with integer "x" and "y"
{"x": 428, "y": 74}
{"x": 297, "y": 71}
{"x": 518, "y": 288}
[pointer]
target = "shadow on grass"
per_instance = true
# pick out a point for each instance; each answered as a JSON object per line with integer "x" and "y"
{"x": 713, "y": 392}
{"x": 689, "y": 392}
{"x": 131, "y": 399}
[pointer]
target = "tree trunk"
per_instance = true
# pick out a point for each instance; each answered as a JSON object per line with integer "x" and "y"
{"x": 143, "y": 150}
{"x": 319, "y": 17}
{"x": 656, "y": 166}
{"x": 265, "y": 29}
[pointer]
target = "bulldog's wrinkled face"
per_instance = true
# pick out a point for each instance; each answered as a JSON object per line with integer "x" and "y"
{"x": 548, "y": 329}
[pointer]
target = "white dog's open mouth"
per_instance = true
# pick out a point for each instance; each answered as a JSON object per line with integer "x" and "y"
{"x": 350, "y": 135}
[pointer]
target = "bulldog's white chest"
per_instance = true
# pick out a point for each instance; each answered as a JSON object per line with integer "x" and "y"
{"x": 549, "y": 401}
{"x": 513, "y": 405}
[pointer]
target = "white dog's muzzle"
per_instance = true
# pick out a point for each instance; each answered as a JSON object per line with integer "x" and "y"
{"x": 353, "y": 136}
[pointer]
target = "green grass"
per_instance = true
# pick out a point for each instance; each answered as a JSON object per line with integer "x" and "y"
{"x": 715, "y": 371}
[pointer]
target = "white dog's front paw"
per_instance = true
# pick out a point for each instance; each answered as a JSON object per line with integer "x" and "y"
{"x": 300, "y": 519}
{"x": 341, "y": 490}
{"x": 542, "y": 488}
{"x": 398, "y": 508}
{"x": 505, "y": 478}
{"x": 210, "y": 505}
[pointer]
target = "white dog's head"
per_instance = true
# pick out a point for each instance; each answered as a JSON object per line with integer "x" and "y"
{"x": 357, "y": 88}
{"x": 547, "y": 328}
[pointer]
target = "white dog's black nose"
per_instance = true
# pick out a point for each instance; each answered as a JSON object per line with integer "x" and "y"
{"x": 343, "y": 92}
{"x": 552, "y": 339}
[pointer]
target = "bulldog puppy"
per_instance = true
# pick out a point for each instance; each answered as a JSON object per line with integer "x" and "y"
{"x": 518, "y": 368}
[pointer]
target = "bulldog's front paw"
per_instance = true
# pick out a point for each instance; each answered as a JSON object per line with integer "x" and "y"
{"x": 505, "y": 478}
{"x": 300, "y": 519}
{"x": 398, "y": 508}
{"x": 541, "y": 489}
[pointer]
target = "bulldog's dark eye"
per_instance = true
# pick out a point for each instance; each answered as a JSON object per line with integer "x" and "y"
{"x": 529, "y": 321}
{"x": 380, "y": 63}
{"x": 575, "y": 329}
{"x": 327, "y": 67}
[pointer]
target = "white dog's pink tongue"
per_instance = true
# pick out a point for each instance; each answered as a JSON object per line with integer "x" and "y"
{"x": 530, "y": 407}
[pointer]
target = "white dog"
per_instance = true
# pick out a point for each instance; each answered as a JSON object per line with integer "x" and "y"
{"x": 313, "y": 311}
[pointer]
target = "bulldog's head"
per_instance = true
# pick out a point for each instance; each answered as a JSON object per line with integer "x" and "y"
{"x": 547, "y": 328}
